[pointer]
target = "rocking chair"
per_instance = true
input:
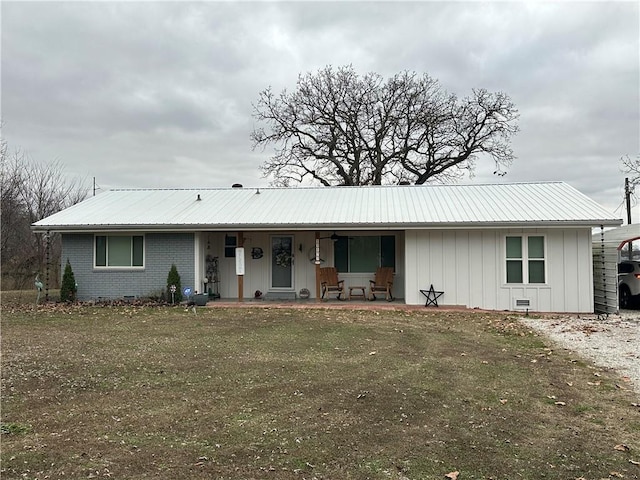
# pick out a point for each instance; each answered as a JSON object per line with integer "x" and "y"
{"x": 330, "y": 283}
{"x": 383, "y": 282}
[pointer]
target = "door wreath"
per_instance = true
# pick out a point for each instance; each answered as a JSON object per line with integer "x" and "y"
{"x": 283, "y": 258}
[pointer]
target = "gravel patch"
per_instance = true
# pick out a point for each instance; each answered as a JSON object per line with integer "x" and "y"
{"x": 612, "y": 342}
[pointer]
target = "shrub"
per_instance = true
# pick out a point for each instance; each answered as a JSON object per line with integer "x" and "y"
{"x": 68, "y": 289}
{"x": 155, "y": 295}
{"x": 174, "y": 279}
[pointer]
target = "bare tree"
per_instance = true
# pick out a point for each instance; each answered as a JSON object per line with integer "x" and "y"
{"x": 338, "y": 128}
{"x": 31, "y": 191}
{"x": 631, "y": 166}
{"x": 14, "y": 233}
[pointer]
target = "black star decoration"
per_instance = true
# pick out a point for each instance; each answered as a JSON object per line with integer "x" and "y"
{"x": 432, "y": 296}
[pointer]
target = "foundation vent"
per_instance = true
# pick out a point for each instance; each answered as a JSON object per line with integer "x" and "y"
{"x": 522, "y": 304}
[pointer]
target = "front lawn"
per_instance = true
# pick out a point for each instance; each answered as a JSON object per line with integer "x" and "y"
{"x": 268, "y": 393}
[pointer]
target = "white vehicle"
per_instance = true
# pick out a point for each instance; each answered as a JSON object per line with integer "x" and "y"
{"x": 628, "y": 283}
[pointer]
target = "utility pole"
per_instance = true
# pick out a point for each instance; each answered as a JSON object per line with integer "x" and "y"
{"x": 627, "y": 195}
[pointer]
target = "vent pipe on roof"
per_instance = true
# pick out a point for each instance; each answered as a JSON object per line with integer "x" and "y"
{"x": 236, "y": 185}
{"x": 198, "y": 199}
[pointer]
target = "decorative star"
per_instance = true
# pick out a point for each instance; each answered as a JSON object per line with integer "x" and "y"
{"x": 432, "y": 296}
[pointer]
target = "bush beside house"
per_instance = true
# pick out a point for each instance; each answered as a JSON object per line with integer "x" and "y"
{"x": 174, "y": 279}
{"x": 68, "y": 289}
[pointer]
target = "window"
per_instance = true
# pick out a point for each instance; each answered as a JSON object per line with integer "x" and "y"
{"x": 230, "y": 244}
{"x": 119, "y": 251}
{"x": 364, "y": 254}
{"x": 625, "y": 268}
{"x": 525, "y": 259}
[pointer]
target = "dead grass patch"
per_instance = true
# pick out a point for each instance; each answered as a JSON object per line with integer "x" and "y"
{"x": 144, "y": 392}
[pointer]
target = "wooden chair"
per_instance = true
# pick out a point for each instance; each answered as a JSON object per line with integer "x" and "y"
{"x": 330, "y": 283}
{"x": 383, "y": 282}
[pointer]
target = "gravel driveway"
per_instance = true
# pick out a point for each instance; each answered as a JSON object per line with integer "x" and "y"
{"x": 613, "y": 342}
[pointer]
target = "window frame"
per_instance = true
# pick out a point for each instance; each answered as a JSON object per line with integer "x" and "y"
{"x": 230, "y": 245}
{"x": 132, "y": 252}
{"x": 347, "y": 257}
{"x": 525, "y": 259}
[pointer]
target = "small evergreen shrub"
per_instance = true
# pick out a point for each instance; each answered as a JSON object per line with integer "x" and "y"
{"x": 68, "y": 289}
{"x": 174, "y": 279}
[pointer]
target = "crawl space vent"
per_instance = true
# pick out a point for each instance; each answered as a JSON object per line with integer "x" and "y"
{"x": 522, "y": 304}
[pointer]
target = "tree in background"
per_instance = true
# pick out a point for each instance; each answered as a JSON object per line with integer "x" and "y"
{"x": 339, "y": 128}
{"x": 31, "y": 191}
{"x": 68, "y": 288}
{"x": 631, "y": 166}
{"x": 174, "y": 279}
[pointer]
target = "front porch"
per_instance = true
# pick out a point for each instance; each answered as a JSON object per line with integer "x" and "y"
{"x": 284, "y": 265}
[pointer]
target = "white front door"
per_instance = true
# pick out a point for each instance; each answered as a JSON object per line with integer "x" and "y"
{"x": 282, "y": 262}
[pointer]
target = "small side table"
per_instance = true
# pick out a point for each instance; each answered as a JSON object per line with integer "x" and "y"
{"x": 355, "y": 288}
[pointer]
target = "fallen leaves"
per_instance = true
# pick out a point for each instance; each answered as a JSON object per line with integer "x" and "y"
{"x": 201, "y": 461}
{"x": 558, "y": 403}
{"x": 259, "y": 360}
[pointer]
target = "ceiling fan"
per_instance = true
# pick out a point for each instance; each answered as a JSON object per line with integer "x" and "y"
{"x": 334, "y": 237}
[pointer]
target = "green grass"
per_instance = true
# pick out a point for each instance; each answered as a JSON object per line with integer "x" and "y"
{"x": 13, "y": 428}
{"x": 145, "y": 392}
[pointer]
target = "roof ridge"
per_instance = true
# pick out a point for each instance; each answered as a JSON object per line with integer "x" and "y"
{"x": 323, "y": 187}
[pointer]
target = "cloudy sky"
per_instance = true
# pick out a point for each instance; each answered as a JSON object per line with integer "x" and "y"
{"x": 159, "y": 94}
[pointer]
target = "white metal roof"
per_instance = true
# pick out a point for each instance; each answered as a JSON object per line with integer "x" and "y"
{"x": 371, "y": 207}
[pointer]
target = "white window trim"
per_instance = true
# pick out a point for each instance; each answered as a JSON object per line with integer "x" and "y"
{"x": 121, "y": 268}
{"x": 525, "y": 259}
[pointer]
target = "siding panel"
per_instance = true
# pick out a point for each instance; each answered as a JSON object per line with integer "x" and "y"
{"x": 469, "y": 267}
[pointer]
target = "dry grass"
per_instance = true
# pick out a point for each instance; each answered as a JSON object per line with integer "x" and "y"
{"x": 144, "y": 392}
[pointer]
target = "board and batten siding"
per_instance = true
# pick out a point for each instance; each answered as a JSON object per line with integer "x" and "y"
{"x": 161, "y": 250}
{"x": 470, "y": 267}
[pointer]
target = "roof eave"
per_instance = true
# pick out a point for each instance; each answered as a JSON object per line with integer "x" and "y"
{"x": 586, "y": 223}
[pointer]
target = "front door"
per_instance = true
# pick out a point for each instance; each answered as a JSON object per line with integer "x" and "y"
{"x": 282, "y": 261}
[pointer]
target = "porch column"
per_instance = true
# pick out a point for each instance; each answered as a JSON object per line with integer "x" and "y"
{"x": 240, "y": 266}
{"x": 317, "y": 263}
